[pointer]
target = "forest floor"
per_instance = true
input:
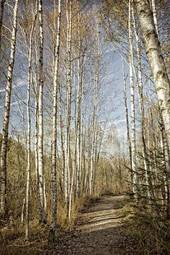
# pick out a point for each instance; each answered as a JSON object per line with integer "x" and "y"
{"x": 100, "y": 229}
{"x": 104, "y": 226}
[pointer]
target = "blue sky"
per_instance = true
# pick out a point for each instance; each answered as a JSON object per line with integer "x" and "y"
{"x": 112, "y": 110}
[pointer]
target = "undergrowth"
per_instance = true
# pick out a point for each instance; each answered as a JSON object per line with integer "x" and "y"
{"x": 150, "y": 234}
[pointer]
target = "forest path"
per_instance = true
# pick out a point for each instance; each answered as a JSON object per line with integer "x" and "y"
{"x": 100, "y": 229}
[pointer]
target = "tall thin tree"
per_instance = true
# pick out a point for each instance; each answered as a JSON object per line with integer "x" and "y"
{"x": 54, "y": 130}
{"x": 1, "y": 18}
{"x": 40, "y": 115}
{"x": 132, "y": 102}
{"x": 27, "y": 197}
{"x": 6, "y": 116}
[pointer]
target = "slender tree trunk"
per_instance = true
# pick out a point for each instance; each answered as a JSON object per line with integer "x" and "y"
{"x": 77, "y": 129}
{"x": 27, "y": 197}
{"x": 79, "y": 124}
{"x": 71, "y": 193}
{"x": 127, "y": 125}
{"x": 54, "y": 131}
{"x": 153, "y": 4}
{"x": 40, "y": 115}
{"x": 62, "y": 147}
{"x": 3, "y": 156}
{"x": 36, "y": 87}
{"x": 93, "y": 140}
{"x": 84, "y": 169}
{"x": 22, "y": 211}
{"x": 1, "y": 19}
{"x": 91, "y": 164}
{"x": 69, "y": 93}
{"x": 36, "y": 143}
{"x": 132, "y": 117}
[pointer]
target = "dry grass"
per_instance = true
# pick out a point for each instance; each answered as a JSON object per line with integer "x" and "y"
{"x": 150, "y": 234}
{"x": 12, "y": 241}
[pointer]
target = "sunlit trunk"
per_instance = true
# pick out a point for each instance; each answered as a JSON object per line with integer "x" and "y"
{"x": 54, "y": 130}
{"x": 69, "y": 94}
{"x": 132, "y": 103}
{"x": 156, "y": 61}
{"x": 40, "y": 116}
{"x": 141, "y": 106}
{"x": 127, "y": 125}
{"x": 6, "y": 116}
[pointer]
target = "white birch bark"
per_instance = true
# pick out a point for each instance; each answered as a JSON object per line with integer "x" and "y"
{"x": 22, "y": 211}
{"x": 54, "y": 130}
{"x": 1, "y": 19}
{"x": 164, "y": 145}
{"x": 6, "y": 116}
{"x": 127, "y": 124}
{"x": 93, "y": 137}
{"x": 28, "y": 171}
{"x": 156, "y": 61}
{"x": 69, "y": 93}
{"x": 40, "y": 115}
{"x": 79, "y": 120}
{"x": 62, "y": 138}
{"x": 94, "y": 116}
{"x": 141, "y": 106}
{"x": 132, "y": 103}
{"x": 36, "y": 143}
{"x": 36, "y": 87}
{"x": 153, "y": 4}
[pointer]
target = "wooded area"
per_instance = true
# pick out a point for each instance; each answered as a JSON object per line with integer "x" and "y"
{"x": 85, "y": 115}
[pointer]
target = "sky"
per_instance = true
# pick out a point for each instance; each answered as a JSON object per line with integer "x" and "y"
{"x": 112, "y": 112}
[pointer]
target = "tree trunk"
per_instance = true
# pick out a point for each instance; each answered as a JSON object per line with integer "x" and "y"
{"x": 165, "y": 147}
{"x": 153, "y": 4}
{"x": 27, "y": 197}
{"x": 78, "y": 123}
{"x": 3, "y": 158}
{"x": 69, "y": 93}
{"x": 127, "y": 125}
{"x": 40, "y": 116}
{"x": 141, "y": 106}
{"x": 1, "y": 19}
{"x": 156, "y": 61}
{"x": 132, "y": 101}
{"x": 54, "y": 130}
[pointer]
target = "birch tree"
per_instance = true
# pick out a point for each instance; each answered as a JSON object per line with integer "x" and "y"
{"x": 132, "y": 102}
{"x": 54, "y": 131}
{"x": 1, "y": 18}
{"x": 141, "y": 104}
{"x": 28, "y": 172}
{"x": 79, "y": 101}
{"x": 40, "y": 115}
{"x": 69, "y": 93}
{"x": 153, "y": 6}
{"x": 6, "y": 116}
{"x": 156, "y": 61}
{"x": 164, "y": 142}
{"x": 127, "y": 123}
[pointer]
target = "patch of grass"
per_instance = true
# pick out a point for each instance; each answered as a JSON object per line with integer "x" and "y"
{"x": 127, "y": 211}
{"x": 150, "y": 234}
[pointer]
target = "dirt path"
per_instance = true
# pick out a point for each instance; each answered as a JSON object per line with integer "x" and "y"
{"x": 100, "y": 230}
